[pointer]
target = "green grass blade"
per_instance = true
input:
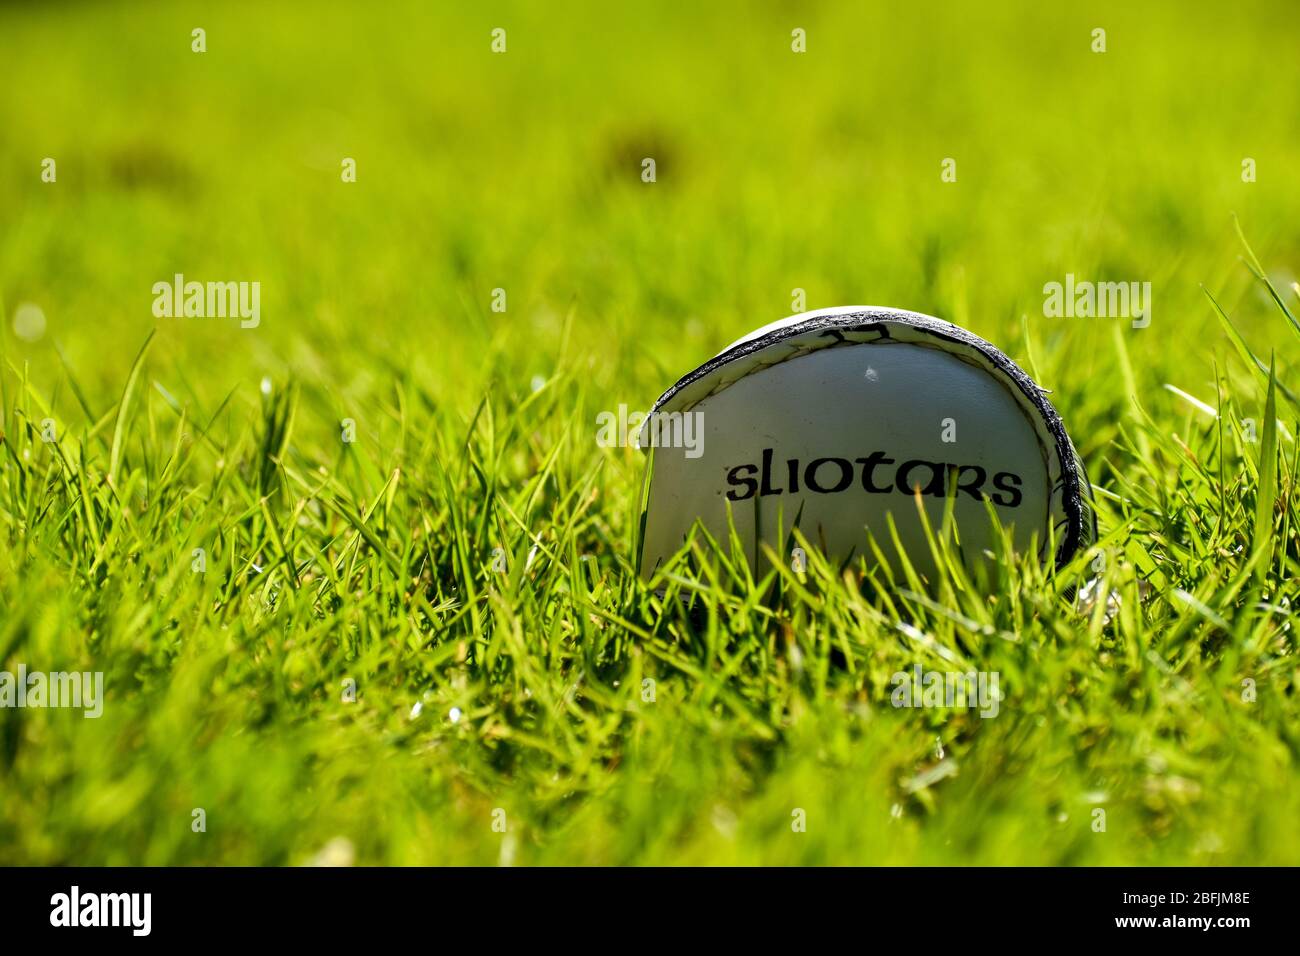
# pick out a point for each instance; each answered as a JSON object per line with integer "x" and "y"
{"x": 1267, "y": 492}
{"x": 124, "y": 411}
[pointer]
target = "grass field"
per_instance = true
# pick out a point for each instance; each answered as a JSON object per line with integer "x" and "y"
{"x": 506, "y": 718}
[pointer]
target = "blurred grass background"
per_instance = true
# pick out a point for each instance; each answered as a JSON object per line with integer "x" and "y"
{"x": 521, "y": 171}
{"x": 475, "y": 171}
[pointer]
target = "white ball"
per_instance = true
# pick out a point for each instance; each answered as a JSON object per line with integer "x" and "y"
{"x": 834, "y": 420}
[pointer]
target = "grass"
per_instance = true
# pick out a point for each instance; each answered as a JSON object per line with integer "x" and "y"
{"x": 484, "y": 696}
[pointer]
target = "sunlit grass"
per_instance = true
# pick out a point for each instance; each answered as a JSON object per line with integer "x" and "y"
{"x": 466, "y": 563}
